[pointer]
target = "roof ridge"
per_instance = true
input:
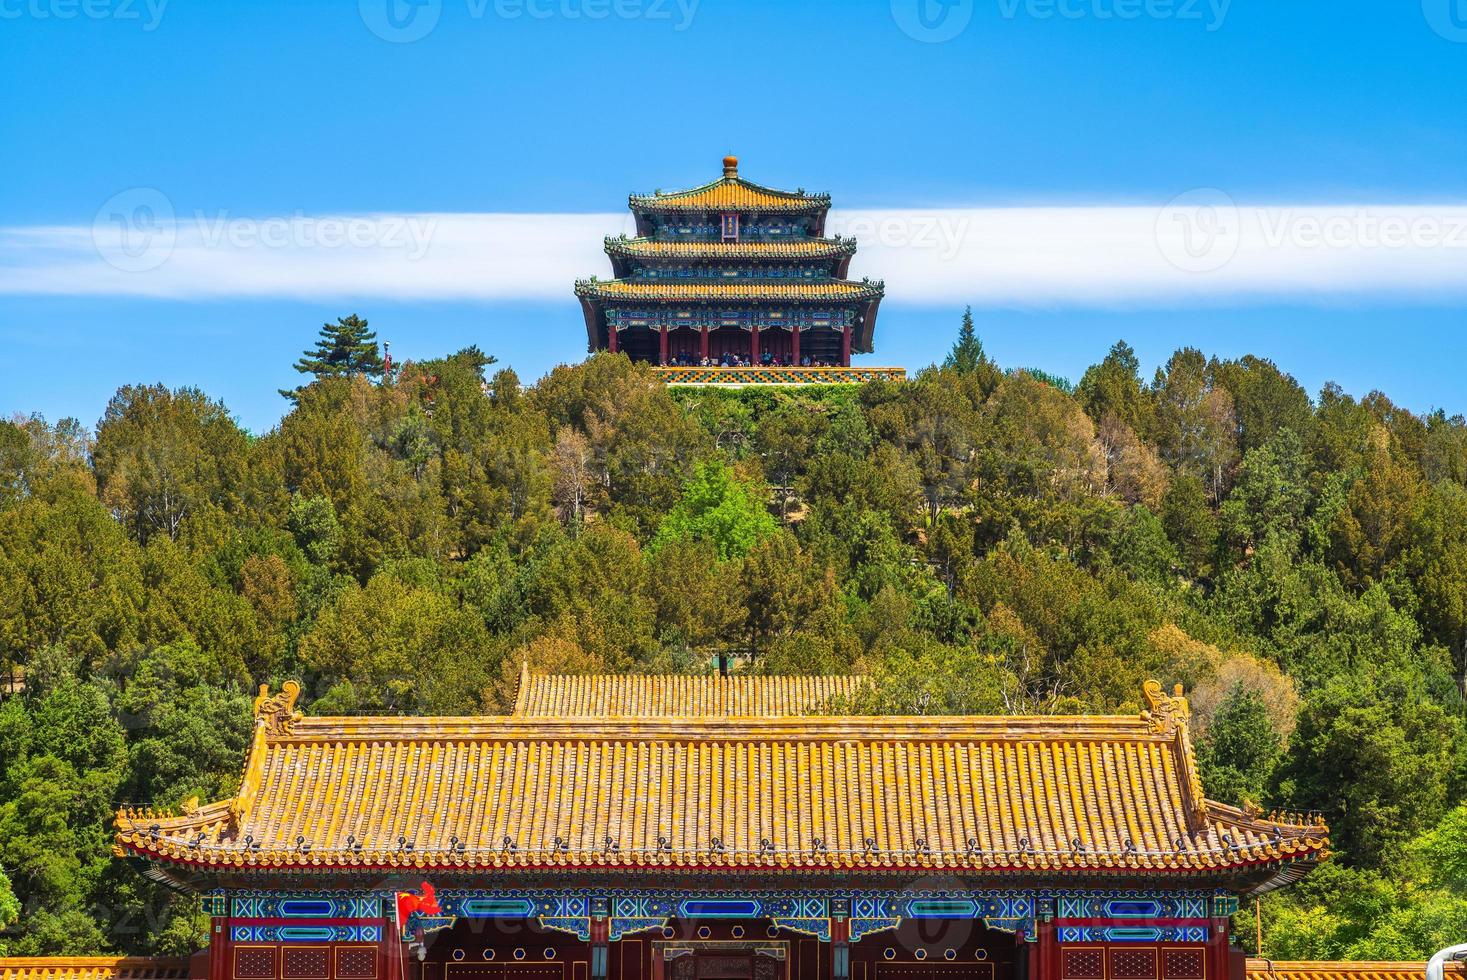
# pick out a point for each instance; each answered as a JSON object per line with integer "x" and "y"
{"x": 799, "y": 194}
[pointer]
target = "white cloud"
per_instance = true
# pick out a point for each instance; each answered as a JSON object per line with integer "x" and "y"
{"x": 1200, "y": 249}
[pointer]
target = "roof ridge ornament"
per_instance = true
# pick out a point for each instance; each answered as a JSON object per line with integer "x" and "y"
{"x": 1167, "y": 712}
{"x": 276, "y": 712}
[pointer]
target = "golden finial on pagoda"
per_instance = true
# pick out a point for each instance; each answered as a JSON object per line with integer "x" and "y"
{"x": 730, "y": 166}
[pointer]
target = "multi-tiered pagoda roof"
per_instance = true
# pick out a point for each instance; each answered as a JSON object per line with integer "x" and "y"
{"x": 734, "y": 276}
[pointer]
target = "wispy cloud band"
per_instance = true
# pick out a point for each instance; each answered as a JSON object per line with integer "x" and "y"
{"x": 1200, "y": 248}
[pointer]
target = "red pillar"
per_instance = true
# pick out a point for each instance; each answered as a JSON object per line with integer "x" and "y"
{"x": 754, "y": 346}
{"x": 1047, "y": 951}
{"x": 395, "y": 965}
{"x": 840, "y": 949}
{"x": 703, "y": 344}
{"x": 845, "y": 346}
{"x": 1217, "y": 947}
{"x": 663, "y": 344}
{"x": 612, "y": 339}
{"x": 795, "y": 347}
{"x": 219, "y": 947}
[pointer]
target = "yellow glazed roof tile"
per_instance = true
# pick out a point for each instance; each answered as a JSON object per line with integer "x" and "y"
{"x": 629, "y": 695}
{"x": 804, "y": 248}
{"x": 1262, "y": 969}
{"x": 632, "y": 289}
{"x": 92, "y": 968}
{"x": 731, "y": 193}
{"x": 693, "y": 781}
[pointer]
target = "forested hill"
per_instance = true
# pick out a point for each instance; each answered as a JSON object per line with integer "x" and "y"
{"x": 979, "y": 540}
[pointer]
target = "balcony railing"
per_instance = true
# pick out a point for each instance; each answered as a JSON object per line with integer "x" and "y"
{"x": 736, "y": 376}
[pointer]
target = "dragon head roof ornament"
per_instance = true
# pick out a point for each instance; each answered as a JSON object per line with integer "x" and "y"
{"x": 276, "y": 712}
{"x": 1167, "y": 712}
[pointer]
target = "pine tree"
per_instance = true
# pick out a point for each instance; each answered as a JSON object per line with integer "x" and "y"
{"x": 967, "y": 354}
{"x": 343, "y": 348}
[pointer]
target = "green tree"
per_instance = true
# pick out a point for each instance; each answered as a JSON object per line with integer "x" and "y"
{"x": 967, "y": 357}
{"x": 392, "y": 647}
{"x": 782, "y": 588}
{"x": 1190, "y": 523}
{"x": 785, "y": 440}
{"x": 162, "y": 456}
{"x": 1265, "y": 400}
{"x": 1437, "y": 563}
{"x": 1113, "y": 389}
{"x": 1270, "y": 495}
{"x": 1240, "y": 749}
{"x": 1372, "y": 532}
{"x": 643, "y": 444}
{"x": 1379, "y": 758}
{"x": 1195, "y": 424}
{"x": 343, "y": 348}
{"x": 934, "y": 679}
{"x": 935, "y": 421}
{"x": 717, "y": 508}
{"x": 9, "y": 909}
{"x": 1142, "y": 548}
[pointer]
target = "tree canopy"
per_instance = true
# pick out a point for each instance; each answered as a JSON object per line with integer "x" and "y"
{"x": 974, "y": 539}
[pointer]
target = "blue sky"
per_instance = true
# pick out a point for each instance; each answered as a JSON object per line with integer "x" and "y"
{"x": 1045, "y": 131}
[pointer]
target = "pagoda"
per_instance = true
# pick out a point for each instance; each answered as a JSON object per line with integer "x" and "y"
{"x": 734, "y": 283}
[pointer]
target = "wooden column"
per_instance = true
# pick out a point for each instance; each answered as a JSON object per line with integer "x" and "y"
{"x": 219, "y": 965}
{"x": 394, "y": 956}
{"x": 1047, "y": 951}
{"x": 600, "y": 947}
{"x": 1217, "y": 948}
{"x": 663, "y": 345}
{"x": 703, "y": 343}
{"x": 845, "y": 346}
{"x": 611, "y": 338}
{"x": 840, "y": 949}
{"x": 754, "y": 347}
{"x": 795, "y": 346}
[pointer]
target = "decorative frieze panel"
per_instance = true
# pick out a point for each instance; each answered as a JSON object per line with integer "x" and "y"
{"x": 322, "y": 905}
{"x": 333, "y": 933}
{"x": 1079, "y": 916}
{"x": 701, "y": 317}
{"x": 1133, "y": 934}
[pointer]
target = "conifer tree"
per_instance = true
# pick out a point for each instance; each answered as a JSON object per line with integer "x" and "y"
{"x": 967, "y": 354}
{"x": 343, "y": 348}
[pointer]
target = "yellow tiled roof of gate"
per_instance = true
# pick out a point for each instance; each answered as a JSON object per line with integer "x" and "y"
{"x": 977, "y": 794}
{"x": 1261, "y": 969}
{"x": 626, "y": 695}
{"x": 92, "y": 968}
{"x": 743, "y": 290}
